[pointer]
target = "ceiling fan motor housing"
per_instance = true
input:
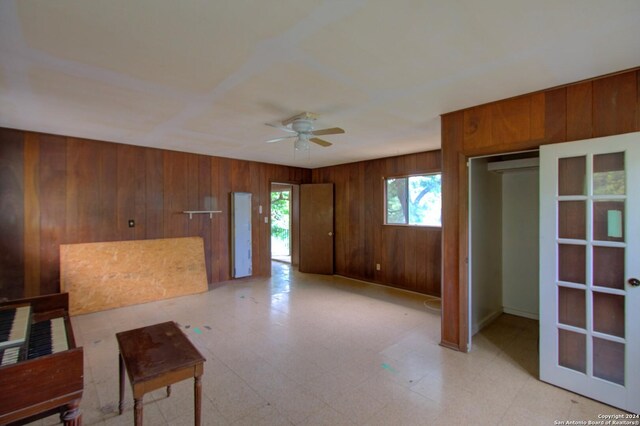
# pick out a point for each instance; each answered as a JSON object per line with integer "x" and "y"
{"x": 302, "y": 126}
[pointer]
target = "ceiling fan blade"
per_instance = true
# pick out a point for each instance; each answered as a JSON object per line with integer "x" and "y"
{"x": 331, "y": 131}
{"x": 321, "y": 142}
{"x": 277, "y": 126}
{"x": 281, "y": 139}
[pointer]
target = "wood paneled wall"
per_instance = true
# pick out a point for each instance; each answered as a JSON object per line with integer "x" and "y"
{"x": 409, "y": 257}
{"x": 57, "y": 189}
{"x": 599, "y": 107}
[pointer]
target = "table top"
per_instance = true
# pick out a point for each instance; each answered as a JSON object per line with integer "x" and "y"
{"x": 152, "y": 351}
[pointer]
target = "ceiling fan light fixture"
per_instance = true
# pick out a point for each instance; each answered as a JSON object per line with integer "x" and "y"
{"x": 302, "y": 143}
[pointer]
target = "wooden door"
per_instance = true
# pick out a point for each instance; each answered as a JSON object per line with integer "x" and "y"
{"x": 316, "y": 228}
{"x": 589, "y": 250}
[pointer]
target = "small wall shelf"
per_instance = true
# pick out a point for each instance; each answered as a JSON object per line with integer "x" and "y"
{"x": 209, "y": 212}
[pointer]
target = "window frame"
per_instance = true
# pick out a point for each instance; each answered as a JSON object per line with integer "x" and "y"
{"x": 384, "y": 197}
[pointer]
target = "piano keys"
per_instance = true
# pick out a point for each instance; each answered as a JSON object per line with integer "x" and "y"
{"x": 11, "y": 355}
{"x": 41, "y": 369}
{"x": 47, "y": 337}
{"x": 14, "y": 322}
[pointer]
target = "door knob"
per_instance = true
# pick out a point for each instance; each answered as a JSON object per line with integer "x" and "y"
{"x": 330, "y": 233}
{"x": 634, "y": 282}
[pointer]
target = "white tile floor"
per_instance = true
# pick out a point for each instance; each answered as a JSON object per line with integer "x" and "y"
{"x": 313, "y": 350}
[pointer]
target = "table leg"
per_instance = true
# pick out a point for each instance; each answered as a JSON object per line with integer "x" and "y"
{"x": 121, "y": 402}
{"x": 137, "y": 407}
{"x": 197, "y": 390}
{"x": 168, "y": 391}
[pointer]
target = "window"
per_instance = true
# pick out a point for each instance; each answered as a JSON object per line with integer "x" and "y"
{"x": 413, "y": 200}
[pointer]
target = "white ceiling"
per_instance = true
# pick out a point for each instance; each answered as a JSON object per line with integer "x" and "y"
{"x": 204, "y": 76}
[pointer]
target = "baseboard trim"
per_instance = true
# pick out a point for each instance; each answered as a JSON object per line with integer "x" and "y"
{"x": 485, "y": 322}
{"x": 519, "y": 313}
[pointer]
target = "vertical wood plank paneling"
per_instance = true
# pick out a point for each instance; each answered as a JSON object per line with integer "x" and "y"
{"x": 108, "y": 200}
{"x": 394, "y": 263}
{"x": 125, "y": 192}
{"x": 354, "y": 261}
{"x": 192, "y": 189}
{"x": 256, "y": 227}
{"x": 91, "y": 193}
{"x": 198, "y": 183}
{"x": 511, "y": 121}
{"x": 410, "y": 270}
{"x": 130, "y": 191}
{"x": 265, "y": 228}
{"x": 176, "y": 223}
{"x": 362, "y": 201}
{"x": 240, "y": 176}
{"x": 153, "y": 195}
{"x": 580, "y": 111}
{"x": 537, "y": 113}
{"x": 453, "y": 135}
{"x": 370, "y": 180}
{"x": 31, "y": 215}
{"x": 477, "y": 126}
{"x": 12, "y": 260}
{"x": 53, "y": 189}
{"x": 205, "y": 202}
{"x": 432, "y": 249}
{"x": 224, "y": 193}
{"x": 434, "y": 273}
{"x": 341, "y": 207}
{"x": 422, "y": 261}
{"x": 376, "y": 190}
{"x": 614, "y": 104}
{"x": 555, "y": 115}
{"x": 463, "y": 253}
{"x": 73, "y": 184}
{"x": 217, "y": 220}
{"x": 349, "y": 208}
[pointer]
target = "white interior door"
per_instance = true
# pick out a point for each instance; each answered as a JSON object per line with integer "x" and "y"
{"x": 589, "y": 266}
{"x": 241, "y": 234}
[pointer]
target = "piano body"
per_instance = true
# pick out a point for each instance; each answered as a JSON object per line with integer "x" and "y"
{"x": 41, "y": 369}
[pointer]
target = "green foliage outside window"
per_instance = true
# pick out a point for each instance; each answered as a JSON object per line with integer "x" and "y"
{"x": 414, "y": 200}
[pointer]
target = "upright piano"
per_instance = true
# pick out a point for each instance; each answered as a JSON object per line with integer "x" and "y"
{"x": 41, "y": 369}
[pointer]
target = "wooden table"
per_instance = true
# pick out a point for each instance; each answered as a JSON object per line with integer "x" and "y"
{"x": 157, "y": 356}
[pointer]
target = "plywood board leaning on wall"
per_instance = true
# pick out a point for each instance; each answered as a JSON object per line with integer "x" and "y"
{"x": 100, "y": 276}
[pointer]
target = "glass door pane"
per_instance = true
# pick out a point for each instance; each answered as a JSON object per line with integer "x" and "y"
{"x": 591, "y": 217}
{"x": 572, "y": 176}
{"x": 608, "y": 360}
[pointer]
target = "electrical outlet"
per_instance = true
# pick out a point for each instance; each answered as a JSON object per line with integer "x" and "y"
{"x": 377, "y": 266}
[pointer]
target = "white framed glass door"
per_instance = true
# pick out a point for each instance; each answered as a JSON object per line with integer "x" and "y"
{"x": 589, "y": 266}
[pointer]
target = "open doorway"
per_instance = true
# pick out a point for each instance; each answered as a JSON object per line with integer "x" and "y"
{"x": 503, "y": 238}
{"x": 284, "y": 222}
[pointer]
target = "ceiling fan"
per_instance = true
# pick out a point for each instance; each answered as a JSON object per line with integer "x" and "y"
{"x": 302, "y": 126}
